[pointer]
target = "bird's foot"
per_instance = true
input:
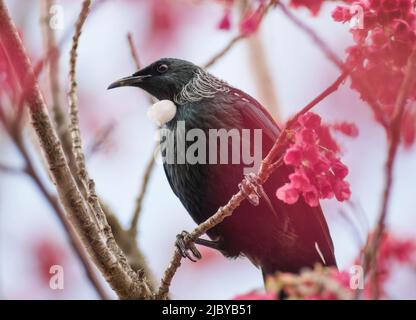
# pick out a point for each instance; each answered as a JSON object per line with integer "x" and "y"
{"x": 186, "y": 246}
{"x": 251, "y": 181}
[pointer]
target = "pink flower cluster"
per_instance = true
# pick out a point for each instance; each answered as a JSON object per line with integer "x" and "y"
{"x": 382, "y": 48}
{"x": 320, "y": 283}
{"x": 313, "y": 5}
{"x": 314, "y": 156}
{"x": 250, "y": 21}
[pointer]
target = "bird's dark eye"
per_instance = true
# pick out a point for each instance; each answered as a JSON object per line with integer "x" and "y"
{"x": 162, "y": 68}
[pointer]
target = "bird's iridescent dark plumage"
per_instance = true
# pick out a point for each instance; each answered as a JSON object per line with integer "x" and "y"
{"x": 294, "y": 238}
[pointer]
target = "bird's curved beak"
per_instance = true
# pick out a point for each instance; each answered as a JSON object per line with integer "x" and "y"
{"x": 128, "y": 81}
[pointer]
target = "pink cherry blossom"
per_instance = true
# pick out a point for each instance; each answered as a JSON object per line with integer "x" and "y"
{"x": 314, "y": 156}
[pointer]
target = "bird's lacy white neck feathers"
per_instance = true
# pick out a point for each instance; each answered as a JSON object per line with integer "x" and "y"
{"x": 203, "y": 85}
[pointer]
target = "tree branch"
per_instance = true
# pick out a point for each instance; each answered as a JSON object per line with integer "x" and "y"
{"x": 73, "y": 99}
{"x": 267, "y": 167}
{"x": 10, "y": 169}
{"x": 143, "y": 188}
{"x": 29, "y": 170}
{"x": 223, "y": 51}
{"x": 97, "y": 238}
{"x": 150, "y": 163}
{"x": 363, "y": 87}
{"x": 133, "y": 51}
{"x": 370, "y": 257}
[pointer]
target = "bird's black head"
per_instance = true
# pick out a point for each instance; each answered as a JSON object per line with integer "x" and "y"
{"x": 163, "y": 79}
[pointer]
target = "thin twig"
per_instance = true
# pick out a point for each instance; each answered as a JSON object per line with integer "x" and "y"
{"x": 360, "y": 84}
{"x": 136, "y": 60}
{"x": 313, "y": 35}
{"x": 150, "y": 163}
{"x": 72, "y": 95}
{"x": 10, "y": 169}
{"x": 223, "y": 51}
{"x": 42, "y": 62}
{"x": 266, "y": 169}
{"x": 143, "y": 188}
{"x": 133, "y": 51}
{"x": 88, "y": 184}
{"x": 101, "y": 138}
{"x": 236, "y": 39}
{"x": 370, "y": 258}
{"x": 53, "y": 53}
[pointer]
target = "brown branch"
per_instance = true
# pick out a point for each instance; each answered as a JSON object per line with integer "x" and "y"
{"x": 42, "y": 62}
{"x": 10, "y": 169}
{"x": 97, "y": 238}
{"x": 73, "y": 99}
{"x": 267, "y": 167}
{"x": 136, "y": 60}
{"x": 29, "y": 170}
{"x": 133, "y": 51}
{"x": 313, "y": 35}
{"x": 54, "y": 81}
{"x": 143, "y": 188}
{"x": 223, "y": 51}
{"x": 52, "y": 59}
{"x": 370, "y": 257}
{"x": 151, "y": 162}
{"x": 127, "y": 242}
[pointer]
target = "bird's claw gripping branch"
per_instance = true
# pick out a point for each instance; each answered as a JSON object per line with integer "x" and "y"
{"x": 186, "y": 246}
{"x": 254, "y": 196}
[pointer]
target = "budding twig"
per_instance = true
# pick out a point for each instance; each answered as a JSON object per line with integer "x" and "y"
{"x": 266, "y": 169}
{"x": 362, "y": 85}
{"x": 236, "y": 39}
{"x": 223, "y": 51}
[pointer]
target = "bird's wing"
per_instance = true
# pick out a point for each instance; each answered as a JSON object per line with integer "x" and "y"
{"x": 255, "y": 115}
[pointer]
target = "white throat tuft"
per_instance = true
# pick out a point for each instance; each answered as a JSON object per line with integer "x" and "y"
{"x": 161, "y": 112}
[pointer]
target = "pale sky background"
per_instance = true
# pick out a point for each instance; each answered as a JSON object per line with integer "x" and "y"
{"x": 300, "y": 72}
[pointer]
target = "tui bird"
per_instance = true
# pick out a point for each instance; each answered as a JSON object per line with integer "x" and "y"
{"x": 275, "y": 236}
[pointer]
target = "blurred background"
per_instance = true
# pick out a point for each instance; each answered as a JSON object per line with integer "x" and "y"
{"x": 32, "y": 239}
